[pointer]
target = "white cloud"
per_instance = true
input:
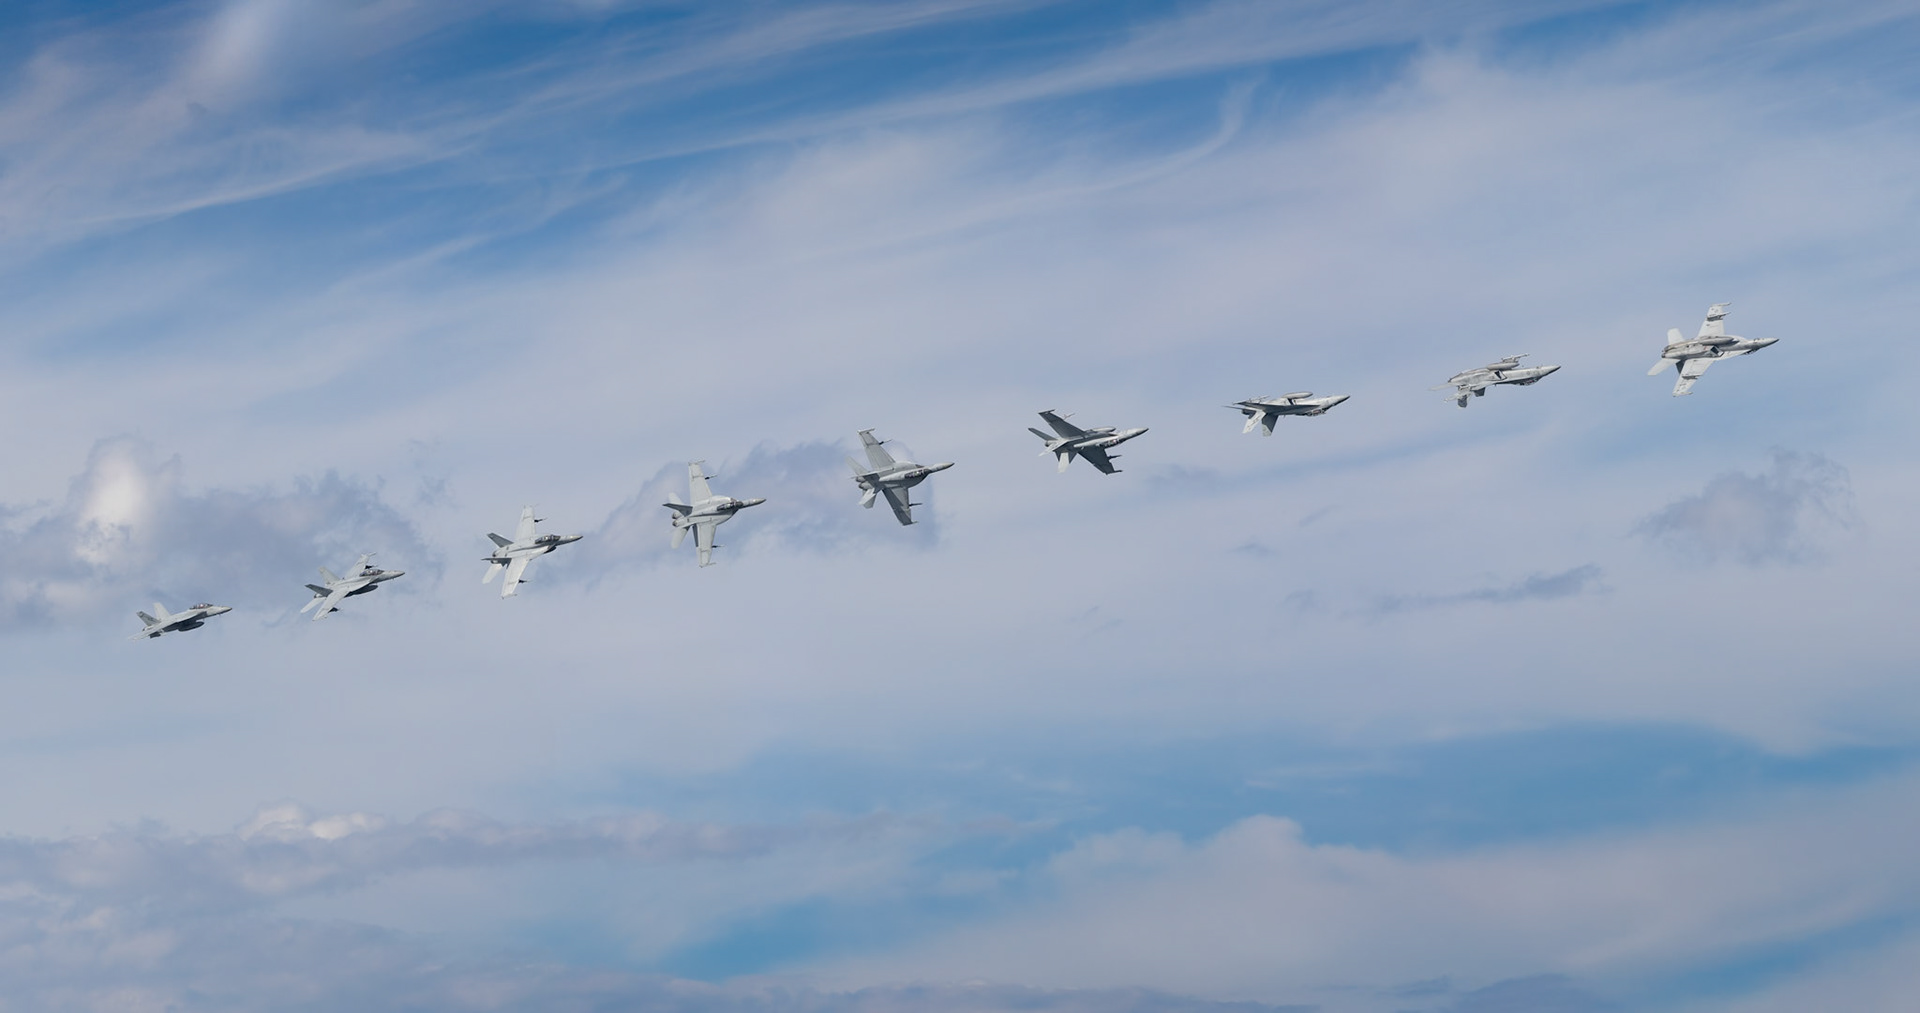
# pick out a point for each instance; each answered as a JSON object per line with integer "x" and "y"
{"x": 130, "y": 527}
{"x": 1257, "y": 911}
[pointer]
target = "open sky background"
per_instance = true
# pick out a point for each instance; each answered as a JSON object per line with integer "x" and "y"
{"x": 1584, "y": 698}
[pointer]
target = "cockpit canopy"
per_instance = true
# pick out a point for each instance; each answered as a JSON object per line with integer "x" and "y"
{"x": 203, "y": 605}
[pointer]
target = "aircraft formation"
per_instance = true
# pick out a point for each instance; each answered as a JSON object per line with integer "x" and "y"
{"x": 892, "y": 479}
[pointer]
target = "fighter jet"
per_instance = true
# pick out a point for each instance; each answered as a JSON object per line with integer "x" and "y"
{"x": 706, "y": 513}
{"x": 1712, "y": 344}
{"x": 162, "y": 621}
{"x": 364, "y": 577}
{"x": 513, "y": 556}
{"x": 889, "y": 478}
{"x": 1091, "y": 444}
{"x": 1474, "y": 382}
{"x": 1265, "y": 411}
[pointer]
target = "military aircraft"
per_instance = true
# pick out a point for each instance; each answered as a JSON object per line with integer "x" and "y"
{"x": 513, "y": 556}
{"x": 1474, "y": 382}
{"x": 364, "y": 577}
{"x": 705, "y": 513}
{"x": 888, "y": 477}
{"x": 1265, "y": 411}
{"x": 1091, "y": 444}
{"x": 162, "y": 621}
{"x": 1712, "y": 344}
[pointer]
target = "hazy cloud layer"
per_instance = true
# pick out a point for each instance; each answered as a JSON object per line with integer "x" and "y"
{"x": 143, "y": 919}
{"x": 1786, "y": 514}
{"x": 1260, "y": 910}
{"x": 130, "y": 529}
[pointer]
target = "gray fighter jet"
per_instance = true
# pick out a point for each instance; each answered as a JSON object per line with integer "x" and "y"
{"x": 889, "y": 478}
{"x": 1474, "y": 382}
{"x": 1091, "y": 444}
{"x": 705, "y": 513}
{"x": 162, "y": 621}
{"x": 1712, "y": 344}
{"x": 1265, "y": 411}
{"x": 364, "y": 577}
{"x": 513, "y": 556}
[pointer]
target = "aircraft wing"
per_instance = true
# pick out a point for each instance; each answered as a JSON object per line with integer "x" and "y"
{"x": 697, "y": 483}
{"x": 1690, "y": 370}
{"x": 703, "y": 540}
{"x": 897, "y": 499}
{"x": 1716, "y": 323}
{"x": 332, "y": 599}
{"x": 1098, "y": 458}
{"x": 524, "y": 533}
{"x": 514, "y": 571}
{"x": 1062, "y": 426}
{"x": 876, "y": 454}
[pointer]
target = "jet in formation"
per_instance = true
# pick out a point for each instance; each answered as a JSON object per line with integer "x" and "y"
{"x": 1474, "y": 382}
{"x": 162, "y": 621}
{"x": 1712, "y": 344}
{"x": 888, "y": 477}
{"x": 1092, "y": 444}
{"x": 514, "y": 555}
{"x": 364, "y": 577}
{"x": 704, "y": 513}
{"x": 1265, "y": 411}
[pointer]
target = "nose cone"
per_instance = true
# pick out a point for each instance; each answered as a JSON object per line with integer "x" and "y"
{"x": 570, "y": 539}
{"x": 1338, "y": 399}
{"x": 940, "y": 467}
{"x": 394, "y": 573}
{"x": 1549, "y": 370}
{"x": 1764, "y": 342}
{"x": 753, "y": 502}
{"x": 220, "y": 610}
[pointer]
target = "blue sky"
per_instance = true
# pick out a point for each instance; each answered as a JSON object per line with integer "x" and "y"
{"x": 1583, "y": 698}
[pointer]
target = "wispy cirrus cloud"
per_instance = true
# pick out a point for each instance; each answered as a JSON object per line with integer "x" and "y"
{"x": 1537, "y": 587}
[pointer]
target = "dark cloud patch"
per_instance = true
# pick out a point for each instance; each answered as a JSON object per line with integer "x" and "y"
{"x": 1782, "y": 515}
{"x": 1539, "y": 587}
{"x": 129, "y": 532}
{"x": 812, "y": 505}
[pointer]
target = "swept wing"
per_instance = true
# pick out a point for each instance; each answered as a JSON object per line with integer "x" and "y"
{"x": 515, "y": 570}
{"x": 1098, "y": 458}
{"x": 876, "y": 454}
{"x": 703, "y": 540}
{"x": 697, "y": 483}
{"x": 897, "y": 499}
{"x": 1066, "y": 429}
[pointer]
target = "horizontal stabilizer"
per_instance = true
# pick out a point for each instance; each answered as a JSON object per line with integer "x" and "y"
{"x": 493, "y": 571}
{"x": 145, "y": 618}
{"x": 327, "y": 575}
{"x": 497, "y": 540}
{"x": 1045, "y": 437}
{"x": 679, "y": 536}
{"x": 318, "y": 591}
{"x": 1662, "y": 364}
